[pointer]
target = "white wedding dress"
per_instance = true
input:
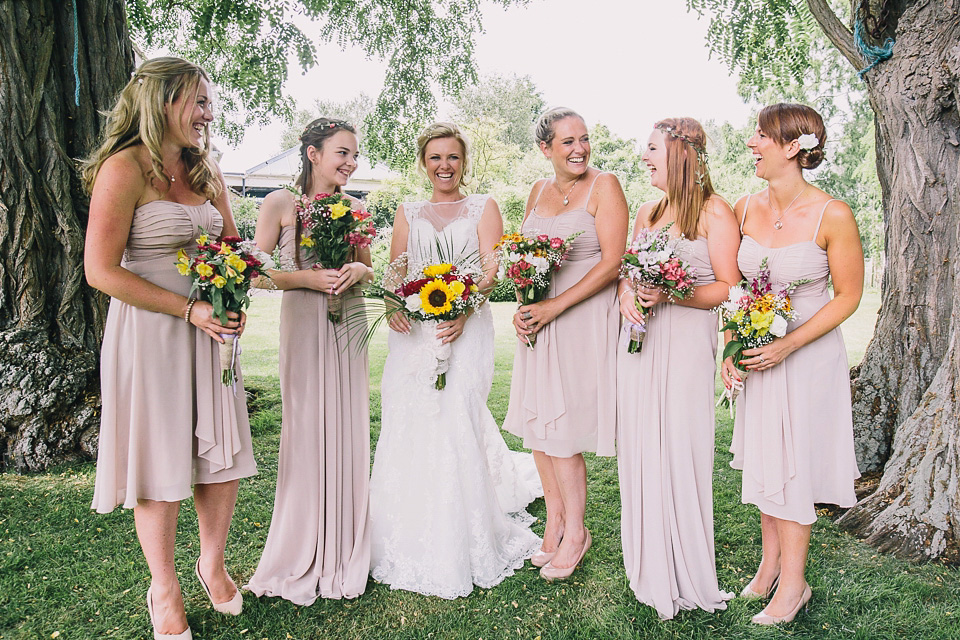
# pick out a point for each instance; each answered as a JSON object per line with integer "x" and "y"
{"x": 447, "y": 497}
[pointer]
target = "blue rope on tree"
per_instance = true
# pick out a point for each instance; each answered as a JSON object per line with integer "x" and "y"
{"x": 874, "y": 54}
{"x": 76, "y": 54}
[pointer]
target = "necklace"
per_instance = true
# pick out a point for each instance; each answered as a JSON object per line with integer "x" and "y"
{"x": 566, "y": 196}
{"x": 778, "y": 224}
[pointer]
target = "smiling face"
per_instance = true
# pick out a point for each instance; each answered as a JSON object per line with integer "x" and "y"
{"x": 770, "y": 158}
{"x": 569, "y": 151}
{"x": 335, "y": 161}
{"x": 655, "y": 157}
{"x": 443, "y": 162}
{"x": 190, "y": 114}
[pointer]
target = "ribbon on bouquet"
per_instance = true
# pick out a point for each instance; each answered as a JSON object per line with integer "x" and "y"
{"x": 228, "y": 369}
{"x": 736, "y": 388}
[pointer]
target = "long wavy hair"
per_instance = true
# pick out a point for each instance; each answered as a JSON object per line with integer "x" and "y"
{"x": 139, "y": 117}
{"x": 688, "y": 180}
{"x": 315, "y": 135}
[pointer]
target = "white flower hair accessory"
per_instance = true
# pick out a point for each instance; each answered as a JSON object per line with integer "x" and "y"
{"x": 808, "y": 141}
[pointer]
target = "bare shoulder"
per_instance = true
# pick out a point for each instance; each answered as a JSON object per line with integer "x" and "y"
{"x": 606, "y": 181}
{"x": 126, "y": 165}
{"x": 276, "y": 204}
{"x": 838, "y": 214}
{"x": 645, "y": 209}
{"x": 490, "y": 206}
{"x": 741, "y": 204}
{"x": 716, "y": 207}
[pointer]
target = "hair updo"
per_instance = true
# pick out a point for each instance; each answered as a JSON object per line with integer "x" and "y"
{"x": 316, "y": 135}
{"x": 439, "y": 130}
{"x": 544, "y": 130}
{"x": 785, "y": 122}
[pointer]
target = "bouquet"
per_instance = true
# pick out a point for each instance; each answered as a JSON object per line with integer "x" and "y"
{"x": 528, "y": 262}
{"x": 430, "y": 294}
{"x": 756, "y": 314}
{"x": 330, "y": 231}
{"x": 652, "y": 261}
{"x": 222, "y": 273}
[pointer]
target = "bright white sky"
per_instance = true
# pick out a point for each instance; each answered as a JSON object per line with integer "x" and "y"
{"x": 623, "y": 63}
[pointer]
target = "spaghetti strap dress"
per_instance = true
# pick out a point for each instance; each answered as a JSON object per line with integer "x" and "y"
{"x": 665, "y": 448}
{"x": 563, "y": 391}
{"x": 793, "y": 434}
{"x": 167, "y": 421}
{"x": 319, "y": 540}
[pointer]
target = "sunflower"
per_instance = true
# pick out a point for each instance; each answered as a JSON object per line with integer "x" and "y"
{"x": 435, "y": 270}
{"x": 436, "y": 297}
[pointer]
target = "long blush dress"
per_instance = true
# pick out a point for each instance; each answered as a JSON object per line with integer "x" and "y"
{"x": 447, "y": 497}
{"x": 167, "y": 421}
{"x": 319, "y": 539}
{"x": 793, "y": 435}
{"x": 665, "y": 447}
{"x": 563, "y": 391}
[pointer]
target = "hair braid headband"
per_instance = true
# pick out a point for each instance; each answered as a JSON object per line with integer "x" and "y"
{"x": 701, "y": 151}
{"x": 328, "y": 124}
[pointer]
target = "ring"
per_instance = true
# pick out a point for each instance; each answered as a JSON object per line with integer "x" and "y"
{"x": 761, "y": 359}
{"x": 526, "y": 315}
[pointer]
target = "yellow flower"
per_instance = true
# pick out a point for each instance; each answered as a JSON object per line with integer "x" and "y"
{"x": 235, "y": 261}
{"x": 761, "y": 321}
{"x": 182, "y": 257}
{"x": 203, "y": 239}
{"x": 436, "y": 297}
{"x": 239, "y": 278}
{"x": 306, "y": 241}
{"x": 219, "y": 281}
{"x": 339, "y": 210}
{"x": 225, "y": 249}
{"x": 437, "y": 270}
{"x": 231, "y": 272}
{"x": 457, "y": 287}
{"x": 204, "y": 269}
{"x": 474, "y": 288}
{"x": 183, "y": 268}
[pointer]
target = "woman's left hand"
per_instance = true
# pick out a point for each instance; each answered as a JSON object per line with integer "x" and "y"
{"x": 450, "y": 330}
{"x": 350, "y": 274}
{"x": 650, "y": 296}
{"x": 762, "y": 358}
{"x": 537, "y": 315}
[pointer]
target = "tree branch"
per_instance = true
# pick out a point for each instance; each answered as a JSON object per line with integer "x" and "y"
{"x": 836, "y": 31}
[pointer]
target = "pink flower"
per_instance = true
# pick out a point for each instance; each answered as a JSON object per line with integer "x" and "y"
{"x": 543, "y": 238}
{"x": 556, "y": 243}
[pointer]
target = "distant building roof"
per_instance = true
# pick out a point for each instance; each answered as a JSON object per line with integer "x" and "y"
{"x": 283, "y": 168}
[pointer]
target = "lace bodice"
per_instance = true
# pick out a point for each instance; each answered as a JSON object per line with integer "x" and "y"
{"x": 444, "y": 230}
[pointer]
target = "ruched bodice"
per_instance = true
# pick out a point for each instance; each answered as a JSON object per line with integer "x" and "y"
{"x": 161, "y": 228}
{"x": 697, "y": 254}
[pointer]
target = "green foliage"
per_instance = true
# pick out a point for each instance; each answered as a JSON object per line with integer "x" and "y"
{"x": 245, "y": 46}
{"x": 245, "y": 211}
{"x": 503, "y": 291}
{"x": 513, "y": 101}
{"x": 731, "y": 164}
{"x": 382, "y": 203}
{"x": 355, "y": 111}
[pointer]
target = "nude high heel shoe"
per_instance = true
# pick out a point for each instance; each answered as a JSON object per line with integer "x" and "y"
{"x": 750, "y": 594}
{"x": 551, "y": 573}
{"x": 541, "y": 558}
{"x": 184, "y": 635}
{"x": 231, "y": 607}
{"x": 765, "y": 619}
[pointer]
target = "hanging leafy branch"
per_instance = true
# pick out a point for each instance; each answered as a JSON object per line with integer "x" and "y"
{"x": 245, "y": 45}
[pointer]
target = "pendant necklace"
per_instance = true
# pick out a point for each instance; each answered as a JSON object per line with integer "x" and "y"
{"x": 779, "y": 224}
{"x": 566, "y": 196}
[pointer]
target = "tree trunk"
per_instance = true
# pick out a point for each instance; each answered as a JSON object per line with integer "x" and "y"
{"x": 904, "y": 392}
{"x": 50, "y": 320}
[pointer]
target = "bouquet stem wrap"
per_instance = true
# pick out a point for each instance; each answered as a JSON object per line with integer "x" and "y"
{"x": 729, "y": 396}
{"x": 335, "y": 307}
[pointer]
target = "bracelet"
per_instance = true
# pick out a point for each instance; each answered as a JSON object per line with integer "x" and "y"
{"x": 190, "y": 303}
{"x": 620, "y": 297}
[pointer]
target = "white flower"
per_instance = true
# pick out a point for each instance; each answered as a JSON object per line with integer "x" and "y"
{"x": 729, "y": 308}
{"x": 540, "y": 264}
{"x": 779, "y": 326}
{"x": 736, "y": 293}
{"x": 413, "y": 303}
{"x": 808, "y": 141}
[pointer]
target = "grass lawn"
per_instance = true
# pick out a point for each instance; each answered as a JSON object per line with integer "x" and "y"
{"x": 66, "y": 572}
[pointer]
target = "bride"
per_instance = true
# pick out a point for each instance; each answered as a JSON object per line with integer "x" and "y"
{"x": 447, "y": 497}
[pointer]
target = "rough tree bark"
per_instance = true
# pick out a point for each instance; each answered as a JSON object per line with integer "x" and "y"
{"x": 906, "y": 412}
{"x": 50, "y": 320}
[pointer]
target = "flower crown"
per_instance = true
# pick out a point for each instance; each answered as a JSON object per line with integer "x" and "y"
{"x": 329, "y": 124}
{"x": 701, "y": 151}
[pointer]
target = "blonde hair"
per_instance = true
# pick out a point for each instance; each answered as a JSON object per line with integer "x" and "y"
{"x": 439, "y": 130}
{"x": 688, "y": 180}
{"x": 785, "y": 122}
{"x": 544, "y": 130}
{"x": 139, "y": 117}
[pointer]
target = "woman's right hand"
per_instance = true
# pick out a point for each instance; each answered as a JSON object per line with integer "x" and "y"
{"x": 628, "y": 307}
{"x": 729, "y": 373}
{"x": 520, "y": 326}
{"x": 398, "y": 321}
{"x": 318, "y": 279}
{"x": 201, "y": 316}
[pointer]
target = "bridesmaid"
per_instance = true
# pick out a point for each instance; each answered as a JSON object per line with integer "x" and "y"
{"x": 793, "y": 435}
{"x": 665, "y": 410}
{"x": 319, "y": 542}
{"x": 167, "y": 422}
{"x": 563, "y": 393}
